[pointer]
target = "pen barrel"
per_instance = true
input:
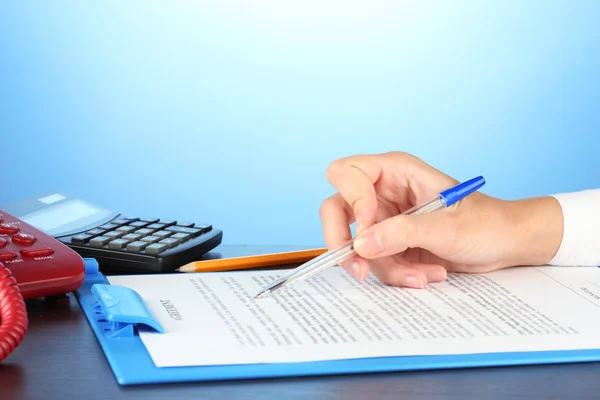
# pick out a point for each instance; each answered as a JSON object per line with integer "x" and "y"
{"x": 433, "y": 204}
{"x": 316, "y": 265}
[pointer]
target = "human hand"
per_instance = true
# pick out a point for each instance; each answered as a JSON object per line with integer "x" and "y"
{"x": 476, "y": 235}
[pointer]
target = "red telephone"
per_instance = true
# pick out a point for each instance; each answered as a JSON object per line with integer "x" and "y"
{"x": 32, "y": 265}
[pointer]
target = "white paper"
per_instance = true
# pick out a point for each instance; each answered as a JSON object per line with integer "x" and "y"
{"x": 213, "y": 318}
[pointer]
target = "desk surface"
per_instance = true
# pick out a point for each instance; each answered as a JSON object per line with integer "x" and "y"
{"x": 60, "y": 358}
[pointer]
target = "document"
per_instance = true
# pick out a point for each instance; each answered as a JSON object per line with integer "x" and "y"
{"x": 213, "y": 318}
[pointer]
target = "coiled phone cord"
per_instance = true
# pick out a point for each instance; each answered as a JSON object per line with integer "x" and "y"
{"x": 13, "y": 313}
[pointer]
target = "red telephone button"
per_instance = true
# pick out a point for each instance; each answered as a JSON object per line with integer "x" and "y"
{"x": 8, "y": 229}
{"x": 3, "y": 242}
{"x": 7, "y": 256}
{"x": 24, "y": 239}
{"x": 38, "y": 252}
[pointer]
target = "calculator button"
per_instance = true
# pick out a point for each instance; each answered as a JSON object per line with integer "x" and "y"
{"x": 126, "y": 229}
{"x": 137, "y": 246}
{"x": 117, "y": 244}
{"x": 114, "y": 234}
{"x": 132, "y": 237}
{"x": 7, "y": 255}
{"x": 23, "y": 239}
{"x": 3, "y": 243}
{"x": 181, "y": 236}
{"x": 8, "y": 229}
{"x": 150, "y": 239}
{"x": 162, "y": 234}
{"x": 144, "y": 231}
{"x": 150, "y": 220}
{"x": 156, "y": 226}
{"x": 82, "y": 238}
{"x": 99, "y": 241}
{"x": 167, "y": 222}
{"x": 191, "y": 231}
{"x": 170, "y": 242}
{"x": 156, "y": 248}
{"x": 37, "y": 252}
{"x": 186, "y": 224}
{"x": 120, "y": 222}
{"x": 95, "y": 232}
{"x": 204, "y": 227}
{"x": 108, "y": 227}
{"x": 138, "y": 224}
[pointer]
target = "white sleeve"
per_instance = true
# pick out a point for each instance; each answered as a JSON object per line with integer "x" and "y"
{"x": 580, "y": 244}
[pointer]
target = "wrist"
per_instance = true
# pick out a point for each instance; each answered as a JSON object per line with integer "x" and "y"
{"x": 538, "y": 229}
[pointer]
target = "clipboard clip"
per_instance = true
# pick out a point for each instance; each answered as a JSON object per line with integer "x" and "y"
{"x": 121, "y": 309}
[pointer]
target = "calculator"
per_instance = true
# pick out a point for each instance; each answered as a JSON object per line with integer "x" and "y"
{"x": 120, "y": 243}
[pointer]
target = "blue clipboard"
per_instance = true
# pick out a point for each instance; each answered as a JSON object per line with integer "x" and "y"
{"x": 116, "y": 315}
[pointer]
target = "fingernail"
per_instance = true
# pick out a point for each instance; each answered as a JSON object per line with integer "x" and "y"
{"x": 437, "y": 275}
{"x": 353, "y": 267}
{"x": 368, "y": 244}
{"x": 414, "y": 282}
{"x": 360, "y": 223}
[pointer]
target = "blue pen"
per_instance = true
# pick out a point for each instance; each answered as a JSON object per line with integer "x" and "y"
{"x": 334, "y": 257}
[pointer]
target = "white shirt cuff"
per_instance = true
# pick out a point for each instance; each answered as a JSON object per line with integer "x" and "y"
{"x": 580, "y": 244}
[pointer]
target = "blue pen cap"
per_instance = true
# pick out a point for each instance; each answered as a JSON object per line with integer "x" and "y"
{"x": 462, "y": 190}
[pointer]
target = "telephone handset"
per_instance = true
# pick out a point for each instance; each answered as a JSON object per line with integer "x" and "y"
{"x": 32, "y": 265}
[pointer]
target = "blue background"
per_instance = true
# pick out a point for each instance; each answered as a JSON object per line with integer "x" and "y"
{"x": 229, "y": 112}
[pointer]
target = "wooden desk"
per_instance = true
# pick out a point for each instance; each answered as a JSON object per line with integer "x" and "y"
{"x": 60, "y": 359}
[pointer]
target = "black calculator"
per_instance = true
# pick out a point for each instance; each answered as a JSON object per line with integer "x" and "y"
{"x": 120, "y": 243}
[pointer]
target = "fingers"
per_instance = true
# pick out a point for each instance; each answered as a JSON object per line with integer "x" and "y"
{"x": 336, "y": 217}
{"x": 433, "y": 232}
{"x": 354, "y": 179}
{"x": 357, "y": 266}
{"x": 404, "y": 273}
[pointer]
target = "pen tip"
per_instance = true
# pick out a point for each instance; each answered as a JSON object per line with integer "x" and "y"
{"x": 261, "y": 294}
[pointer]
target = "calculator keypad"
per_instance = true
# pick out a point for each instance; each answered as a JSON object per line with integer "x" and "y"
{"x": 140, "y": 235}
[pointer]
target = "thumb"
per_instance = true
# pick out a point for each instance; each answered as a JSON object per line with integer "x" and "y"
{"x": 397, "y": 234}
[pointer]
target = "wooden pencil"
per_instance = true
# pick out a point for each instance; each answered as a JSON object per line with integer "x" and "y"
{"x": 253, "y": 261}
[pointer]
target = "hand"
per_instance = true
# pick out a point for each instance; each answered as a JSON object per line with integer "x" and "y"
{"x": 476, "y": 235}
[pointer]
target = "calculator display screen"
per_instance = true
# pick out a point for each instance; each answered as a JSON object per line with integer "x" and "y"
{"x": 62, "y": 215}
